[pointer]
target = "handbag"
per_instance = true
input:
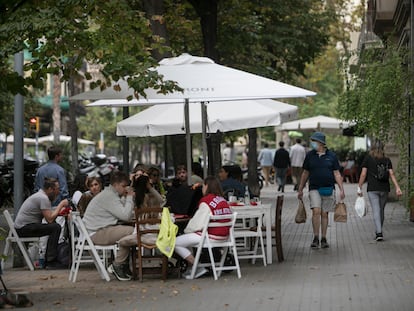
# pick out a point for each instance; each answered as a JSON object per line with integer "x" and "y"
{"x": 340, "y": 214}
{"x": 360, "y": 207}
{"x": 300, "y": 217}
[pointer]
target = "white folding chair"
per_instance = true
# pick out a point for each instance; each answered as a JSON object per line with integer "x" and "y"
{"x": 248, "y": 251}
{"x": 104, "y": 252}
{"x": 215, "y": 221}
{"x": 84, "y": 243}
{"x": 13, "y": 237}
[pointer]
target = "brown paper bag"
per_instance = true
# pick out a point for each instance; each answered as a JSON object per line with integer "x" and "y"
{"x": 340, "y": 214}
{"x": 300, "y": 217}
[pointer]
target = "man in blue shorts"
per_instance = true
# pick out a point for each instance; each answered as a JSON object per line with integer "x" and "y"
{"x": 321, "y": 167}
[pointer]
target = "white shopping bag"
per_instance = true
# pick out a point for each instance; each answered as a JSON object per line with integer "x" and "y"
{"x": 360, "y": 207}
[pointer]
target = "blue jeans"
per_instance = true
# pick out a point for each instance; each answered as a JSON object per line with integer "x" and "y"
{"x": 378, "y": 199}
{"x": 281, "y": 176}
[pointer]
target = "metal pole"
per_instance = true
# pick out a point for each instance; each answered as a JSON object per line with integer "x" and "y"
{"x": 410, "y": 112}
{"x": 18, "y": 139}
{"x": 203, "y": 138}
{"x": 125, "y": 142}
{"x": 188, "y": 138}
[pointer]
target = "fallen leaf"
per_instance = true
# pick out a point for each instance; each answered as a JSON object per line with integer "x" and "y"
{"x": 174, "y": 293}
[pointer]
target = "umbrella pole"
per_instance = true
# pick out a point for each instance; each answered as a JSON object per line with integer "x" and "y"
{"x": 203, "y": 138}
{"x": 125, "y": 144}
{"x": 188, "y": 138}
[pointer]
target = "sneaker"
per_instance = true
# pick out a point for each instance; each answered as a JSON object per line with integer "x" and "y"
{"x": 55, "y": 265}
{"x": 324, "y": 243}
{"x": 127, "y": 271}
{"x": 118, "y": 272}
{"x": 199, "y": 272}
{"x": 186, "y": 274}
{"x": 379, "y": 237}
{"x": 315, "y": 242}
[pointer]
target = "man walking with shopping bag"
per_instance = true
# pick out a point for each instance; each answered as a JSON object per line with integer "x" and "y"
{"x": 321, "y": 167}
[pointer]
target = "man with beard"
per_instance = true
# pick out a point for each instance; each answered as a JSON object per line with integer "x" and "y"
{"x": 28, "y": 222}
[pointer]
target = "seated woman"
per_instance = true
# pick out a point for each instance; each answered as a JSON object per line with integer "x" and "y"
{"x": 230, "y": 176}
{"x": 79, "y": 187}
{"x": 145, "y": 196}
{"x": 154, "y": 175}
{"x": 212, "y": 203}
{"x": 94, "y": 185}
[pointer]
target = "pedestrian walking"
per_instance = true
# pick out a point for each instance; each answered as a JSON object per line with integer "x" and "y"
{"x": 52, "y": 169}
{"x": 281, "y": 162}
{"x": 321, "y": 167}
{"x": 377, "y": 169}
{"x": 297, "y": 154}
{"x": 266, "y": 161}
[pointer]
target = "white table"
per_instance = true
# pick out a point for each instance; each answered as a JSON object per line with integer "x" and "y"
{"x": 267, "y": 212}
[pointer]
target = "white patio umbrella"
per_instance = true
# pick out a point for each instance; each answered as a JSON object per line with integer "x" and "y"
{"x": 64, "y": 138}
{"x": 10, "y": 139}
{"x": 162, "y": 120}
{"x": 202, "y": 81}
{"x": 317, "y": 123}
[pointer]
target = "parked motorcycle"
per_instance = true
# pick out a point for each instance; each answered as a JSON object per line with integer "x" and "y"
{"x": 260, "y": 177}
{"x": 7, "y": 181}
{"x": 97, "y": 166}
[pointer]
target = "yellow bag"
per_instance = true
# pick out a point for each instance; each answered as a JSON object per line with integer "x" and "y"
{"x": 168, "y": 232}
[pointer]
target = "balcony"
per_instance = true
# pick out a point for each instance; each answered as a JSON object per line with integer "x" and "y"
{"x": 382, "y": 15}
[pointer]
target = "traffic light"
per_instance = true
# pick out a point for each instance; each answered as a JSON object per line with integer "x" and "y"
{"x": 35, "y": 124}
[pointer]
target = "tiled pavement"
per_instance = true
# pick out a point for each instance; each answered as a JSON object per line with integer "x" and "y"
{"x": 355, "y": 273}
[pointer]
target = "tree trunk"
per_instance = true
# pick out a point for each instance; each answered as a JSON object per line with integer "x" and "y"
{"x": 155, "y": 11}
{"x": 178, "y": 150}
{"x": 252, "y": 163}
{"x": 73, "y": 126}
{"x": 207, "y": 11}
{"x": 214, "y": 154}
{"x": 56, "y": 108}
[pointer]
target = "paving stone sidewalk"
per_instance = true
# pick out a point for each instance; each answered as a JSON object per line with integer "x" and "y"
{"x": 355, "y": 273}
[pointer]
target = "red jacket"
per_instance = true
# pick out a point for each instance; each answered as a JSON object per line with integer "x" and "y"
{"x": 218, "y": 206}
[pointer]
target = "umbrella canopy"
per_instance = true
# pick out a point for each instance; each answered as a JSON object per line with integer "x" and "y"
{"x": 202, "y": 80}
{"x": 10, "y": 139}
{"x": 64, "y": 138}
{"x": 169, "y": 120}
{"x": 318, "y": 123}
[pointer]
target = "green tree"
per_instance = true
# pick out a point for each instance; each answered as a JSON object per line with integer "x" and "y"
{"x": 377, "y": 97}
{"x": 61, "y": 35}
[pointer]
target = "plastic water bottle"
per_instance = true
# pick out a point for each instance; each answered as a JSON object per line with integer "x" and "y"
{"x": 247, "y": 196}
{"x": 41, "y": 259}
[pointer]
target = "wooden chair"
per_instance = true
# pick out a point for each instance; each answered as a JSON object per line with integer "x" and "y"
{"x": 13, "y": 237}
{"x": 148, "y": 220}
{"x": 278, "y": 228}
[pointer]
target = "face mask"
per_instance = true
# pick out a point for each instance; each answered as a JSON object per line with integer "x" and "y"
{"x": 314, "y": 145}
